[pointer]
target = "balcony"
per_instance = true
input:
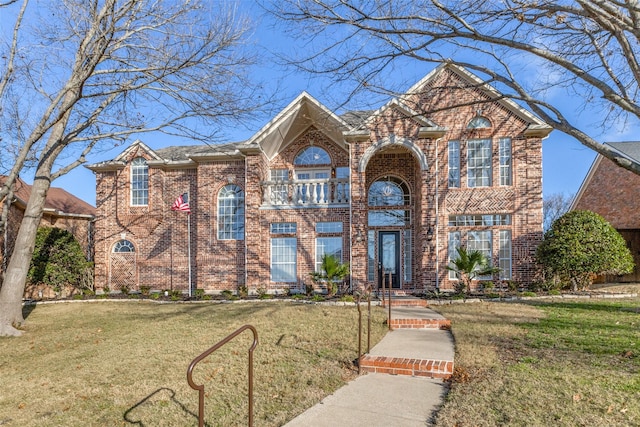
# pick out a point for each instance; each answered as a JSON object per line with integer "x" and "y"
{"x": 308, "y": 193}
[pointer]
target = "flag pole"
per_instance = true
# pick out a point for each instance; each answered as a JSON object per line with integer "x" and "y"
{"x": 189, "y": 249}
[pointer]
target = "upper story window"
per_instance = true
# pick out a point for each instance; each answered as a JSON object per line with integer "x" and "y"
{"x": 123, "y": 246}
{"x": 479, "y": 169}
{"x": 139, "y": 182}
{"x": 231, "y": 213}
{"x": 505, "y": 161}
{"x": 454, "y": 164}
{"x": 389, "y": 192}
{"x": 479, "y": 122}
{"x": 312, "y": 156}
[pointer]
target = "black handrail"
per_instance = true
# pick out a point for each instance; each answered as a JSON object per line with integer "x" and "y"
{"x": 200, "y": 388}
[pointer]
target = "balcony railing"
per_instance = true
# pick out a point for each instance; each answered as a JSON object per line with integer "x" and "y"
{"x": 309, "y": 192}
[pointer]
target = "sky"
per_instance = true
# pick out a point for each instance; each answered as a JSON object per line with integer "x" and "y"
{"x": 565, "y": 161}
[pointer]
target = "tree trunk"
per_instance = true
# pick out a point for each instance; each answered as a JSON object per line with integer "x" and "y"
{"x": 15, "y": 277}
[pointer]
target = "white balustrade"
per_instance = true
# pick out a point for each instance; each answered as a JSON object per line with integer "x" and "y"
{"x": 305, "y": 192}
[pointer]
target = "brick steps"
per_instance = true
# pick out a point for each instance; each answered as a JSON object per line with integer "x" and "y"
{"x": 419, "y": 344}
{"x": 403, "y": 366}
{"x": 420, "y": 324}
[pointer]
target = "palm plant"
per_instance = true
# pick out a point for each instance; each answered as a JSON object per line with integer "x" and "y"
{"x": 332, "y": 272}
{"x": 468, "y": 266}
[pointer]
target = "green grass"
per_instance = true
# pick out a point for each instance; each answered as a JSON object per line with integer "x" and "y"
{"x": 545, "y": 363}
{"x": 107, "y": 364}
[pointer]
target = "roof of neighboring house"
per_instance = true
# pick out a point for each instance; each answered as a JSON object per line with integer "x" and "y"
{"x": 58, "y": 200}
{"x": 631, "y": 149}
{"x": 610, "y": 190}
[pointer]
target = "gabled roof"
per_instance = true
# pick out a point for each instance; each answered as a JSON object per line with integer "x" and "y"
{"x": 302, "y": 113}
{"x": 628, "y": 149}
{"x": 537, "y": 128}
{"x": 58, "y": 202}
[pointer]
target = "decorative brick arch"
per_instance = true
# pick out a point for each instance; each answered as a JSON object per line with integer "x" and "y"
{"x": 391, "y": 141}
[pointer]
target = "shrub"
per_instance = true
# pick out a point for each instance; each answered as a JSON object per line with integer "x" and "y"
{"x": 58, "y": 260}
{"x": 125, "y": 289}
{"x": 332, "y": 272}
{"x": 468, "y": 266}
{"x": 580, "y": 245}
{"x": 243, "y": 292}
{"x": 144, "y": 290}
{"x": 227, "y": 294}
{"x": 155, "y": 295}
{"x": 199, "y": 293}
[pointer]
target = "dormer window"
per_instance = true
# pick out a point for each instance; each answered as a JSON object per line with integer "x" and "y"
{"x": 139, "y": 182}
{"x": 479, "y": 122}
{"x": 312, "y": 156}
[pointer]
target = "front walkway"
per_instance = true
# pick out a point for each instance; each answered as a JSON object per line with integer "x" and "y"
{"x": 404, "y": 386}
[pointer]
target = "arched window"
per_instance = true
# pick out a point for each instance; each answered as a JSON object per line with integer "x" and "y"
{"x": 388, "y": 191}
{"x": 231, "y": 213}
{"x": 123, "y": 246}
{"x": 479, "y": 122}
{"x": 312, "y": 156}
{"x": 139, "y": 182}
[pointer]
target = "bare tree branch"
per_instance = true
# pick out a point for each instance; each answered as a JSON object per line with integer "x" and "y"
{"x": 586, "y": 46}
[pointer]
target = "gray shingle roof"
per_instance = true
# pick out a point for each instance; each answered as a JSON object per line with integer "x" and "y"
{"x": 629, "y": 148}
{"x": 180, "y": 152}
{"x": 355, "y": 119}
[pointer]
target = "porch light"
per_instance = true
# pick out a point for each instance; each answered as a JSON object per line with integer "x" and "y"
{"x": 430, "y": 234}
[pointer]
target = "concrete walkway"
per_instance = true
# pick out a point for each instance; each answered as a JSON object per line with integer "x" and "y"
{"x": 404, "y": 386}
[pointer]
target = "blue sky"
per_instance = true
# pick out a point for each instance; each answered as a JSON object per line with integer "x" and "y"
{"x": 565, "y": 161}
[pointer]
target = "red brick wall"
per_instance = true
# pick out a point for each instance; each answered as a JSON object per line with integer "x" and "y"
{"x": 612, "y": 192}
{"x": 160, "y": 235}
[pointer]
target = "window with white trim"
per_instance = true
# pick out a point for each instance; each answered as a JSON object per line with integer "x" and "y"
{"x": 312, "y": 156}
{"x": 504, "y": 150}
{"x": 479, "y": 163}
{"x": 406, "y": 256}
{"x": 505, "y": 255}
{"x": 284, "y": 259}
{"x": 328, "y": 246}
{"x": 231, "y": 213}
{"x": 480, "y": 241}
{"x": 479, "y": 122}
{"x": 454, "y": 164}
{"x": 123, "y": 246}
{"x": 329, "y": 227}
{"x": 283, "y": 228}
{"x": 139, "y": 182}
{"x": 454, "y": 244}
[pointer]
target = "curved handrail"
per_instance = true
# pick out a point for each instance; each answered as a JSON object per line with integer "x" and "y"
{"x": 200, "y": 387}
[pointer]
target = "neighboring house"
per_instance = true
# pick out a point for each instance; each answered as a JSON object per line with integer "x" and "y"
{"x": 614, "y": 193}
{"x": 61, "y": 210}
{"x": 397, "y": 189}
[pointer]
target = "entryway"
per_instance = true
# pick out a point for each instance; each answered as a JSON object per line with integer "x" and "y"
{"x": 389, "y": 258}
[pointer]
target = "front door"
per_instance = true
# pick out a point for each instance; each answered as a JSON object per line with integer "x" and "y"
{"x": 389, "y": 258}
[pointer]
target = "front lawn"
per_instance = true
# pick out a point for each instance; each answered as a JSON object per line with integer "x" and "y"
{"x": 109, "y": 363}
{"x": 573, "y": 363}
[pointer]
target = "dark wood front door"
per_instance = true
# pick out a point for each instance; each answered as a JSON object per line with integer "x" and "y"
{"x": 389, "y": 258}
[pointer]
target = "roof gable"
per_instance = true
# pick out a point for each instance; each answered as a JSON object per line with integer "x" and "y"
{"x": 302, "y": 113}
{"x": 536, "y": 127}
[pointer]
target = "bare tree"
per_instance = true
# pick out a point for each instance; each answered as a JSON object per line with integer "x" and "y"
{"x": 91, "y": 73}
{"x": 528, "y": 49}
{"x": 553, "y": 207}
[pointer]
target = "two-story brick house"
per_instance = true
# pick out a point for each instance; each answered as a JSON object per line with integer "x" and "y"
{"x": 450, "y": 163}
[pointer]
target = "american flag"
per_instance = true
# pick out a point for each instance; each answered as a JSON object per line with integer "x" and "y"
{"x": 182, "y": 204}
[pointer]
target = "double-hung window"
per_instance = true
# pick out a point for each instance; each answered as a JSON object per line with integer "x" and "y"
{"x": 284, "y": 249}
{"x": 454, "y": 164}
{"x": 479, "y": 163}
{"x": 505, "y": 161}
{"x": 231, "y": 213}
{"x": 139, "y": 182}
{"x": 327, "y": 242}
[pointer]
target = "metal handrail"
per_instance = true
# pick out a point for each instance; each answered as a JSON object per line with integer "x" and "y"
{"x": 200, "y": 387}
